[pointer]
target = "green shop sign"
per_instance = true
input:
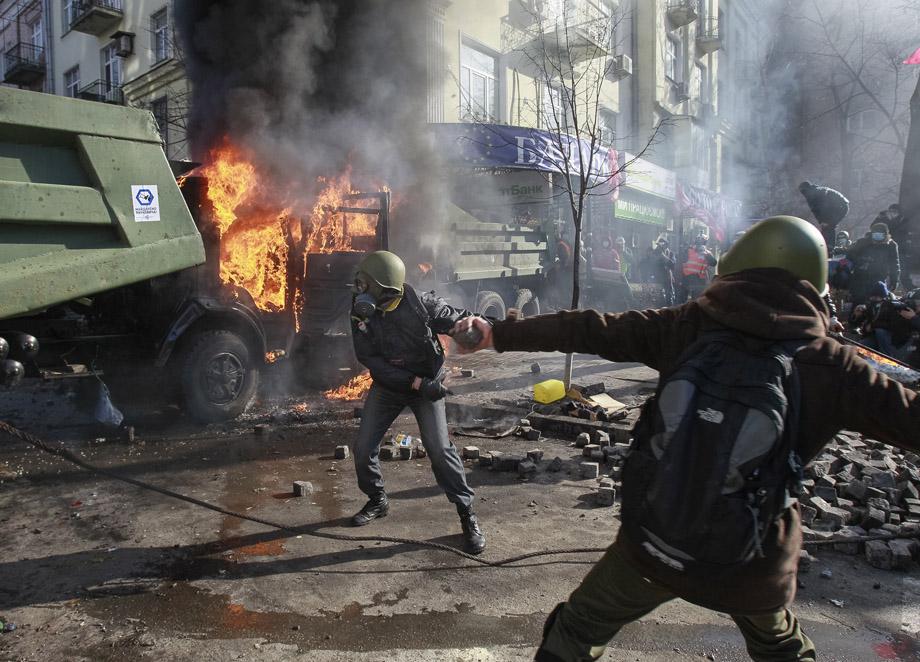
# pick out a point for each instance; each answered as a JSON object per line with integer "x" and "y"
{"x": 643, "y": 212}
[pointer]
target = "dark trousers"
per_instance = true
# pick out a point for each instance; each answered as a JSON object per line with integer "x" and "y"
{"x": 381, "y": 407}
{"x": 614, "y": 593}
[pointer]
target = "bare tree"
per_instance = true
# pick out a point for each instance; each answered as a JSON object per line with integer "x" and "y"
{"x": 567, "y": 50}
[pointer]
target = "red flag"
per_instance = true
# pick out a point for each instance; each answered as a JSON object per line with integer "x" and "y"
{"x": 914, "y": 58}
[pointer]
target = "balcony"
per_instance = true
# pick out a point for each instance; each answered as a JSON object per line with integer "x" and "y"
{"x": 708, "y": 39}
{"x": 681, "y": 12}
{"x": 557, "y": 42}
{"x": 102, "y": 91}
{"x": 23, "y": 64}
{"x": 96, "y": 17}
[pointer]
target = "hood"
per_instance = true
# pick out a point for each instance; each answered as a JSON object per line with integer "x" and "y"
{"x": 766, "y": 303}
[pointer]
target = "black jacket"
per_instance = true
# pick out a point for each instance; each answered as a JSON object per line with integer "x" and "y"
{"x": 403, "y": 344}
{"x": 828, "y": 205}
{"x": 876, "y": 261}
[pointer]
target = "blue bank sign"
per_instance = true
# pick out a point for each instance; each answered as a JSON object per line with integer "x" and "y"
{"x": 500, "y": 146}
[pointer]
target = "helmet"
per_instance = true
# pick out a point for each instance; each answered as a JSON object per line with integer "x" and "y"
{"x": 382, "y": 270}
{"x": 844, "y": 234}
{"x": 782, "y": 242}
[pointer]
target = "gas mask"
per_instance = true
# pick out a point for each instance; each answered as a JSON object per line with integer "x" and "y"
{"x": 368, "y": 297}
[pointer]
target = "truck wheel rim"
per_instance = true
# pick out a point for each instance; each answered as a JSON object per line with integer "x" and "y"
{"x": 224, "y": 376}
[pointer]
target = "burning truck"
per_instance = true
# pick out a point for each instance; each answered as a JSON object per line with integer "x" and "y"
{"x": 110, "y": 288}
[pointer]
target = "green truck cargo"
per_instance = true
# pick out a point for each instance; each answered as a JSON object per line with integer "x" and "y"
{"x": 98, "y": 255}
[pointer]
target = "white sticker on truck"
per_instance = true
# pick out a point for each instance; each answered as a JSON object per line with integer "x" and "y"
{"x": 146, "y": 202}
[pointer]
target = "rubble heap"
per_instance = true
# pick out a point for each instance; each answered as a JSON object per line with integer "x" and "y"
{"x": 858, "y": 487}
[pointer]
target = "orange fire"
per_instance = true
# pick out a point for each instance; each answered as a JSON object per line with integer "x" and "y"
{"x": 355, "y": 389}
{"x": 260, "y": 224}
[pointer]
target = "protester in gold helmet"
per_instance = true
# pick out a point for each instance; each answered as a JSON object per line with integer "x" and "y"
{"x": 765, "y": 299}
{"x": 395, "y": 335}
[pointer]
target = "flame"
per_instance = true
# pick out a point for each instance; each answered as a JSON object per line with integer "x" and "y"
{"x": 355, "y": 389}
{"x": 262, "y": 226}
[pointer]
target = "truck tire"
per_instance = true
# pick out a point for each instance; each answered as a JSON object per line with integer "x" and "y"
{"x": 528, "y": 303}
{"x": 219, "y": 377}
{"x": 490, "y": 304}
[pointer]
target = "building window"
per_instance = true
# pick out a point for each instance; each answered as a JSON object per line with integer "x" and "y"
{"x": 111, "y": 66}
{"x": 672, "y": 59}
{"x": 554, "y": 109}
{"x": 69, "y": 13}
{"x": 37, "y": 36}
{"x": 159, "y": 30}
{"x": 864, "y": 122}
{"x": 478, "y": 84}
{"x": 160, "y": 109}
{"x": 607, "y": 127}
{"x": 72, "y": 82}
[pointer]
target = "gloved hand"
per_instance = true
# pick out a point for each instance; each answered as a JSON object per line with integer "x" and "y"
{"x": 433, "y": 389}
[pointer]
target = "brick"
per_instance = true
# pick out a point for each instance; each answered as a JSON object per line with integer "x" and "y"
{"x": 405, "y": 452}
{"x": 826, "y": 481}
{"x": 874, "y": 519}
{"x": 883, "y": 479}
{"x": 605, "y": 496}
{"x": 600, "y": 437}
{"x": 851, "y": 548}
{"x": 616, "y": 473}
{"x": 879, "y": 554}
{"x": 590, "y": 448}
{"x": 901, "y": 553}
{"x": 389, "y": 452}
{"x": 910, "y": 491}
{"x": 812, "y": 534}
{"x": 606, "y": 482}
{"x": 817, "y": 469}
{"x": 420, "y": 451}
{"x": 808, "y": 514}
{"x": 875, "y": 493}
{"x": 303, "y": 488}
{"x": 835, "y": 516}
{"x": 535, "y": 454}
{"x": 496, "y": 459}
{"x": 881, "y": 504}
{"x": 589, "y": 470}
{"x": 485, "y": 460}
{"x": 582, "y": 440}
{"x": 597, "y": 456}
{"x": 805, "y": 561}
{"x": 341, "y": 452}
{"x": 556, "y": 465}
{"x": 470, "y": 452}
{"x": 829, "y": 494}
{"x": 857, "y": 490}
{"x": 526, "y": 468}
{"x": 893, "y": 529}
{"x": 532, "y": 434}
{"x": 509, "y": 462}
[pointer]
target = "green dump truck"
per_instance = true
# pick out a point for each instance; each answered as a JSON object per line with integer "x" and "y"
{"x": 98, "y": 255}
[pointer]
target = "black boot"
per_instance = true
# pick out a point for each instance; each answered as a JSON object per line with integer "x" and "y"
{"x": 474, "y": 542}
{"x": 377, "y": 506}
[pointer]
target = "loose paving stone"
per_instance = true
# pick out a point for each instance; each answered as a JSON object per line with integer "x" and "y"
{"x": 341, "y": 453}
{"x": 405, "y": 452}
{"x": 389, "y": 453}
{"x": 605, "y": 496}
{"x": 589, "y": 470}
{"x": 879, "y": 554}
{"x": 600, "y": 437}
{"x": 532, "y": 435}
{"x": 526, "y": 468}
{"x": 808, "y": 514}
{"x": 582, "y": 440}
{"x": 874, "y": 519}
{"x": 509, "y": 462}
{"x": 851, "y": 548}
{"x": 535, "y": 454}
{"x": 597, "y": 456}
{"x": 590, "y": 448}
{"x": 470, "y": 452}
{"x": 556, "y": 465}
{"x": 302, "y": 488}
{"x": 901, "y": 556}
{"x": 485, "y": 460}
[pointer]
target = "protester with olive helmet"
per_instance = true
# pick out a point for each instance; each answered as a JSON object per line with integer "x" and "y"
{"x": 395, "y": 335}
{"x": 768, "y": 289}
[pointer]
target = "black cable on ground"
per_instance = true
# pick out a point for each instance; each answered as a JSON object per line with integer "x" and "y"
{"x": 65, "y": 454}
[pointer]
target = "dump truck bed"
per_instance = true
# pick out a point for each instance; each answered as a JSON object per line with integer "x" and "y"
{"x": 88, "y": 202}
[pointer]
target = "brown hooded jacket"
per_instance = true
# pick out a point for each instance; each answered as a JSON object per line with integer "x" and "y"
{"x": 839, "y": 391}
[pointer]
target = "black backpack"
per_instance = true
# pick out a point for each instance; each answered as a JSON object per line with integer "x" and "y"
{"x": 713, "y": 461}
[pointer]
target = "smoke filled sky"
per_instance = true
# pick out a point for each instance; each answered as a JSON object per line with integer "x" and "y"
{"x": 309, "y": 86}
